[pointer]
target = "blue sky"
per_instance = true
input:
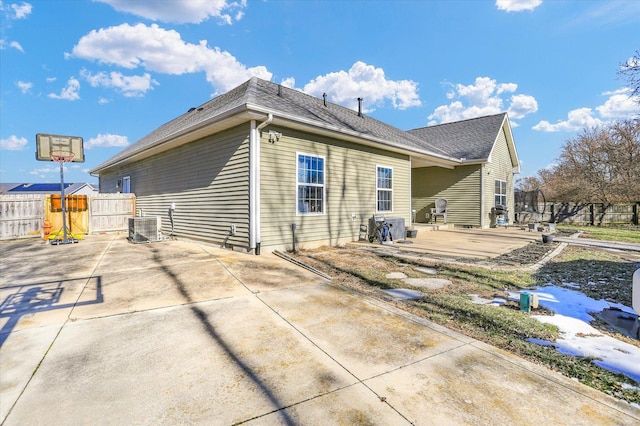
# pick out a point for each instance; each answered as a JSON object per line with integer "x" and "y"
{"x": 112, "y": 71}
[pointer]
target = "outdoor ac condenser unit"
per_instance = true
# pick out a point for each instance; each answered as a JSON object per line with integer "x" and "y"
{"x": 144, "y": 229}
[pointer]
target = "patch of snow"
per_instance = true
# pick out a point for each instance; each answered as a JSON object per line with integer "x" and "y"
{"x": 498, "y": 301}
{"x": 574, "y": 304}
{"x": 628, "y": 386}
{"x": 428, "y": 271}
{"x": 403, "y": 294}
{"x": 541, "y": 342}
{"x": 580, "y": 339}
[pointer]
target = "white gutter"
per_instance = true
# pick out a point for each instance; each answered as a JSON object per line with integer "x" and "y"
{"x": 358, "y": 135}
{"x": 227, "y": 115}
{"x": 254, "y": 182}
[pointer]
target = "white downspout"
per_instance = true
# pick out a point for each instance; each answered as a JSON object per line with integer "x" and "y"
{"x": 254, "y": 183}
{"x": 482, "y": 195}
{"x": 410, "y": 193}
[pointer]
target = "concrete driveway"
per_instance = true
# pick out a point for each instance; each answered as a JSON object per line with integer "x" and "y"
{"x": 108, "y": 332}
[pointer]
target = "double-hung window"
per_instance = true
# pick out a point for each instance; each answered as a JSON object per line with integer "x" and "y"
{"x": 311, "y": 183}
{"x": 384, "y": 189}
{"x": 500, "y": 193}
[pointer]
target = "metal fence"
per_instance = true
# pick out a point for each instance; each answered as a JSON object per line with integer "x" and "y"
{"x": 581, "y": 213}
{"x": 23, "y": 215}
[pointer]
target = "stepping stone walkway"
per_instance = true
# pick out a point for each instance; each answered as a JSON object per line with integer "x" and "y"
{"x": 404, "y": 294}
{"x": 430, "y": 283}
{"x": 396, "y": 275}
{"x": 427, "y": 271}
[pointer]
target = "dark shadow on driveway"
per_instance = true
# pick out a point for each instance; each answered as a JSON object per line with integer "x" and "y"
{"x": 209, "y": 328}
{"x": 38, "y": 297}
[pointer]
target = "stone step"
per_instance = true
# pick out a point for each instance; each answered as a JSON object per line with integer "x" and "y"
{"x": 426, "y": 227}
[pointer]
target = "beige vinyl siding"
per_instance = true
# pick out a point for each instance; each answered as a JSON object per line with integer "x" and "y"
{"x": 500, "y": 167}
{"x": 208, "y": 180}
{"x": 350, "y": 188}
{"x": 460, "y": 186}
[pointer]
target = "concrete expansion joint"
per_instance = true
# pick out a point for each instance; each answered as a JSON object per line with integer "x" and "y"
{"x": 55, "y": 338}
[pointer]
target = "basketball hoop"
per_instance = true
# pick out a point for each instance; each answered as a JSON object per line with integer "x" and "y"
{"x": 62, "y": 156}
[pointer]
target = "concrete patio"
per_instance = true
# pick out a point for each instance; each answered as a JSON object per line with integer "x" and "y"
{"x": 108, "y": 332}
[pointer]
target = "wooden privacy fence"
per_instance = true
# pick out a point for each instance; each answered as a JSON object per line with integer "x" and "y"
{"x": 23, "y": 215}
{"x": 582, "y": 213}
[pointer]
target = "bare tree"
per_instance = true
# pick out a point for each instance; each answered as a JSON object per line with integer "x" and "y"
{"x": 528, "y": 183}
{"x": 598, "y": 165}
{"x": 630, "y": 71}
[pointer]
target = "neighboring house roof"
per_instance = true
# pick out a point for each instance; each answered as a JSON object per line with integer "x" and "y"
{"x": 43, "y": 188}
{"x": 472, "y": 140}
{"x": 257, "y": 98}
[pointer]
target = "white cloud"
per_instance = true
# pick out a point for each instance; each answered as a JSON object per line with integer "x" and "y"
{"x": 24, "y": 86}
{"x": 180, "y": 11}
{"x": 577, "y": 120}
{"x": 522, "y": 105}
{"x": 21, "y": 11}
{"x": 70, "y": 92}
{"x": 16, "y": 46}
{"x": 13, "y": 143}
{"x": 480, "y": 99}
{"x": 605, "y": 13}
{"x": 107, "y": 140}
{"x": 619, "y": 105}
{"x": 289, "y": 82}
{"x": 517, "y": 5}
{"x": 51, "y": 79}
{"x": 158, "y": 50}
{"x": 41, "y": 172}
{"x": 130, "y": 86}
{"x": 364, "y": 81}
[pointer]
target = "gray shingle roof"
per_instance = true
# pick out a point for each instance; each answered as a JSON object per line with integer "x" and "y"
{"x": 471, "y": 139}
{"x": 271, "y": 97}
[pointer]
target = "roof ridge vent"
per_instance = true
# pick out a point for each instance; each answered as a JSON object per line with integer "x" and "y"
{"x": 360, "y": 107}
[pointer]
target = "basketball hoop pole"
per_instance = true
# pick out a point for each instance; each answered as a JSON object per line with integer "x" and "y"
{"x": 62, "y": 203}
{"x": 62, "y": 157}
{"x": 60, "y": 149}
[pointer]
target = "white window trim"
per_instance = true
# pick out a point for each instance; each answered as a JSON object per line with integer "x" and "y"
{"x": 379, "y": 166}
{"x": 126, "y": 185}
{"x": 324, "y": 185}
{"x": 499, "y": 194}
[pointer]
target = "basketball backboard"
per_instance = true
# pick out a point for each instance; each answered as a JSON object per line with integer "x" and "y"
{"x": 46, "y": 144}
